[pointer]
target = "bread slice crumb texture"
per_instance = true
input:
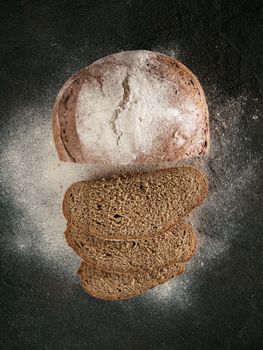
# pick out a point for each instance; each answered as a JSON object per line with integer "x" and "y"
{"x": 137, "y": 206}
{"x": 117, "y": 286}
{"x": 178, "y": 244}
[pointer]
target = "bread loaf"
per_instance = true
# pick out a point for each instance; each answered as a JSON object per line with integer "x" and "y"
{"x": 140, "y": 206}
{"x": 131, "y": 107}
{"x": 116, "y": 286}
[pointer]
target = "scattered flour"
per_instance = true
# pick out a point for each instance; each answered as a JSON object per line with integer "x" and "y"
{"x": 232, "y": 171}
{"x": 34, "y": 181}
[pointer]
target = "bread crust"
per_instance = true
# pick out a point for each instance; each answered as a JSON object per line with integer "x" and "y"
{"x": 68, "y": 144}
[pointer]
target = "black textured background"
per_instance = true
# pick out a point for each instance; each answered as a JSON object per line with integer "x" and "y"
{"x": 42, "y": 44}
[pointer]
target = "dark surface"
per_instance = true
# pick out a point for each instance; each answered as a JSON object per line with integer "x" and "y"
{"x": 42, "y": 44}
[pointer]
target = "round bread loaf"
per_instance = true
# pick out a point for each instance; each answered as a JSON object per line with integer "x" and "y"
{"x": 131, "y": 107}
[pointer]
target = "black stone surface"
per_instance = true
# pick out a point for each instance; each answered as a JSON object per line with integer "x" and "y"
{"x": 42, "y": 44}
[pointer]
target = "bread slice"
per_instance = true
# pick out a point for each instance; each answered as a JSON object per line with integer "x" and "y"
{"x": 178, "y": 244}
{"x": 116, "y": 286}
{"x": 138, "y": 206}
{"x": 131, "y": 107}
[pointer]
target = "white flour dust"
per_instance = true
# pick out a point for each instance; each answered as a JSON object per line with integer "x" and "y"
{"x": 230, "y": 168}
{"x": 34, "y": 181}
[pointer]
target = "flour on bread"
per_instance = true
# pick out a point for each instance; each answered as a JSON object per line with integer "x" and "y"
{"x": 127, "y": 114}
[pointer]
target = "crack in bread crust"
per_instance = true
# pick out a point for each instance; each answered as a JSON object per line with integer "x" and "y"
{"x": 121, "y": 107}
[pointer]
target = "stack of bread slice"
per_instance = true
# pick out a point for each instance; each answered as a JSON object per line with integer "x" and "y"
{"x": 129, "y": 230}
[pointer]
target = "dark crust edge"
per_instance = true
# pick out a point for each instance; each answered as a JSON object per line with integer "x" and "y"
{"x": 61, "y": 149}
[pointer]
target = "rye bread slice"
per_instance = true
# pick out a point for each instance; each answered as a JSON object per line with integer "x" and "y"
{"x": 138, "y": 206}
{"x": 116, "y": 286}
{"x": 177, "y": 244}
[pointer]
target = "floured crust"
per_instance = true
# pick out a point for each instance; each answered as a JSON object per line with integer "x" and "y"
{"x": 117, "y": 286}
{"x": 63, "y": 120}
{"x": 159, "y": 66}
